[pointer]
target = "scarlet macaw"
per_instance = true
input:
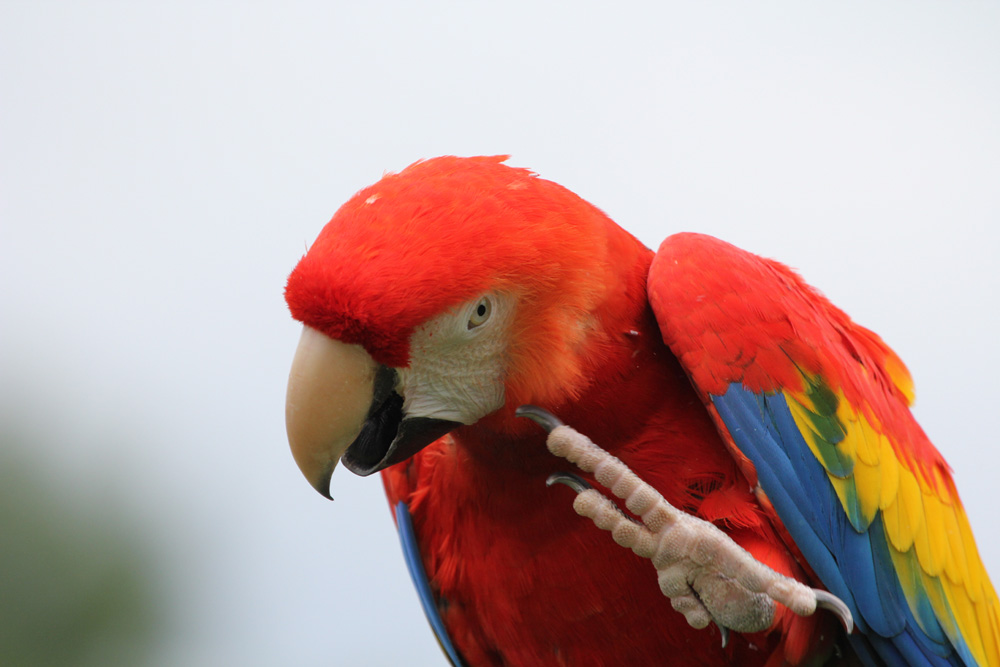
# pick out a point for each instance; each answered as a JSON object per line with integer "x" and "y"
{"x": 441, "y": 298}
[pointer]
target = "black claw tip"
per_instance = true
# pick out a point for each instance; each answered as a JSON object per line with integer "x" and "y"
{"x": 543, "y": 418}
{"x": 574, "y": 482}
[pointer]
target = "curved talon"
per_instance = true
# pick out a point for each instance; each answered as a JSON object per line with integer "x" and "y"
{"x": 834, "y": 604}
{"x": 724, "y": 631}
{"x": 543, "y": 418}
{"x": 574, "y": 482}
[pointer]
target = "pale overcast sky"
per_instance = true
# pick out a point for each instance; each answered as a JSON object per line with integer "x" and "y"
{"x": 164, "y": 165}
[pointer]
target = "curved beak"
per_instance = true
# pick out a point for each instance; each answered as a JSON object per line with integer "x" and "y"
{"x": 330, "y": 389}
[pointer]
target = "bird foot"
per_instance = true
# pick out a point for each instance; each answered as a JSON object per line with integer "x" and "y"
{"x": 706, "y": 575}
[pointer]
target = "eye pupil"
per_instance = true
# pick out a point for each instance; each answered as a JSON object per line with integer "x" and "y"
{"x": 480, "y": 313}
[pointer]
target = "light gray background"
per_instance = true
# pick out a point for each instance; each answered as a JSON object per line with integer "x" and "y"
{"x": 164, "y": 165}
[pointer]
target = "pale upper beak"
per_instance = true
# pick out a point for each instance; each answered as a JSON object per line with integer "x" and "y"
{"x": 330, "y": 391}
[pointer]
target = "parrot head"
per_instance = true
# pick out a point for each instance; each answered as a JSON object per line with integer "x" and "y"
{"x": 447, "y": 295}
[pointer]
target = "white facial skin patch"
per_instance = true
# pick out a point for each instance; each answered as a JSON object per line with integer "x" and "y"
{"x": 458, "y": 361}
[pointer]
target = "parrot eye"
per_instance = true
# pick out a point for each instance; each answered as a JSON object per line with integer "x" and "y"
{"x": 480, "y": 313}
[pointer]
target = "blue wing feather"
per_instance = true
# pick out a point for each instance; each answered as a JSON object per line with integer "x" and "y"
{"x": 411, "y": 553}
{"x": 740, "y": 411}
{"x": 855, "y": 566}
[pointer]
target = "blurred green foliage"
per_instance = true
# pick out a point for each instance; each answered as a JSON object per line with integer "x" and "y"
{"x": 76, "y": 583}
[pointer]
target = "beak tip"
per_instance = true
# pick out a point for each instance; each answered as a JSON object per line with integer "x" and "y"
{"x": 322, "y": 484}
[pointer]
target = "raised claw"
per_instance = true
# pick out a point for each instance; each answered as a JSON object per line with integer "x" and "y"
{"x": 543, "y": 418}
{"x": 707, "y": 576}
{"x": 575, "y": 482}
{"x": 831, "y": 602}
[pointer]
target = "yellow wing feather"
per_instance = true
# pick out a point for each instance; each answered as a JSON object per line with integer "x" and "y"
{"x": 925, "y": 526}
{"x": 890, "y": 474}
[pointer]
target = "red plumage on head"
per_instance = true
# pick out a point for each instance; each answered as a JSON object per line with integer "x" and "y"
{"x": 437, "y": 234}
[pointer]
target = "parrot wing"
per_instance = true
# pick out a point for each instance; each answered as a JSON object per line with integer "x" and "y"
{"x": 815, "y": 409}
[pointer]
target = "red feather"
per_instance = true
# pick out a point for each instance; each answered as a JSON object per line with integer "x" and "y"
{"x": 767, "y": 328}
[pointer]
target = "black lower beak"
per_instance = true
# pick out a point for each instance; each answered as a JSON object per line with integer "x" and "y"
{"x": 388, "y": 435}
